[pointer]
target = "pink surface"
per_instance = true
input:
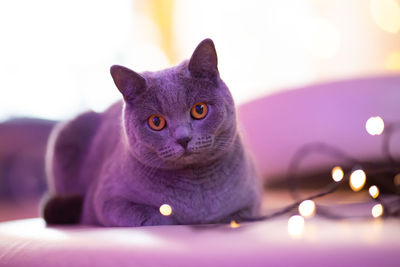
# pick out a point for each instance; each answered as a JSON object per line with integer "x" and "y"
{"x": 323, "y": 243}
{"x": 275, "y": 126}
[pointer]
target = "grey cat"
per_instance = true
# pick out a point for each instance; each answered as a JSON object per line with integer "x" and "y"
{"x": 172, "y": 140}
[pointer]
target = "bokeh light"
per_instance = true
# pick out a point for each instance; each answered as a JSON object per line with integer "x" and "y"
{"x": 234, "y": 224}
{"x": 291, "y": 44}
{"x": 377, "y": 210}
{"x": 396, "y": 179}
{"x": 337, "y": 174}
{"x": 386, "y": 14}
{"x": 357, "y": 180}
{"x": 296, "y": 226}
{"x": 393, "y": 61}
{"x": 375, "y": 125}
{"x": 307, "y": 208}
{"x": 373, "y": 191}
{"x": 165, "y": 209}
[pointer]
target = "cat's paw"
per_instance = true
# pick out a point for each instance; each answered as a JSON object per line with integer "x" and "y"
{"x": 122, "y": 213}
{"x": 62, "y": 209}
{"x": 158, "y": 219}
{"x": 239, "y": 215}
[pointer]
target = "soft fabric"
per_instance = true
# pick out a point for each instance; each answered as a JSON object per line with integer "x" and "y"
{"x": 323, "y": 243}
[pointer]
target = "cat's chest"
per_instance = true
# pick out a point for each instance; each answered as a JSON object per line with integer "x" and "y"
{"x": 202, "y": 202}
{"x": 199, "y": 196}
{"x": 196, "y": 195}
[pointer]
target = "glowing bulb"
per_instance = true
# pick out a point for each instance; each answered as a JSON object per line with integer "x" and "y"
{"x": 337, "y": 174}
{"x": 234, "y": 224}
{"x": 377, "y": 210}
{"x": 357, "y": 180}
{"x": 386, "y": 14}
{"x": 307, "y": 208}
{"x": 165, "y": 209}
{"x": 295, "y": 225}
{"x": 374, "y": 191}
{"x": 396, "y": 180}
{"x": 375, "y": 125}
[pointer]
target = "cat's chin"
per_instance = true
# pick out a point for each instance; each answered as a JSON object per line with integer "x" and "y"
{"x": 185, "y": 158}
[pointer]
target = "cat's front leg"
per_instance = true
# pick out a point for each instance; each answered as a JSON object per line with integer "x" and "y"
{"x": 124, "y": 213}
{"x": 242, "y": 214}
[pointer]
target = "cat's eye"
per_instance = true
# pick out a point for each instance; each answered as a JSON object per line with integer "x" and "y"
{"x": 156, "y": 122}
{"x": 199, "y": 110}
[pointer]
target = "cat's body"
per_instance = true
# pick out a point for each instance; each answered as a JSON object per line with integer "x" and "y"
{"x": 115, "y": 169}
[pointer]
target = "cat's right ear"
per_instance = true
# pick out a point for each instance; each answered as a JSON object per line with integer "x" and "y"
{"x": 203, "y": 63}
{"x": 128, "y": 82}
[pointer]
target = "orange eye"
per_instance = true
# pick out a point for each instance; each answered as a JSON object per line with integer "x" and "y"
{"x": 156, "y": 122}
{"x": 199, "y": 110}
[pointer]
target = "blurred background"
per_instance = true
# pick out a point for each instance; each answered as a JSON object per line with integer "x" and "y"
{"x": 55, "y": 57}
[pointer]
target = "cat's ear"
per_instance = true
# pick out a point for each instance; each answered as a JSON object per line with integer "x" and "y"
{"x": 203, "y": 63}
{"x": 128, "y": 82}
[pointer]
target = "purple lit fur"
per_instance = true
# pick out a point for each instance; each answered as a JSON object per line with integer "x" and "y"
{"x": 126, "y": 171}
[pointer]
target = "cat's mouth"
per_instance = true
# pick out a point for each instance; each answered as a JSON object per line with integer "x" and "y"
{"x": 187, "y": 154}
{"x": 184, "y": 156}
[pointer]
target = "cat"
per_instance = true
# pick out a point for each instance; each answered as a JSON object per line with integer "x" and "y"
{"x": 172, "y": 140}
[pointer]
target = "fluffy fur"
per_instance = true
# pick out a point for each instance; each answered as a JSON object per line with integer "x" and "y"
{"x": 123, "y": 170}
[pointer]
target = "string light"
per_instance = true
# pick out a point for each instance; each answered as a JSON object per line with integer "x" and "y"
{"x": 295, "y": 225}
{"x": 165, "y": 209}
{"x": 307, "y": 208}
{"x": 373, "y": 191}
{"x": 234, "y": 224}
{"x": 337, "y": 174}
{"x": 377, "y": 210}
{"x": 375, "y": 125}
{"x": 357, "y": 180}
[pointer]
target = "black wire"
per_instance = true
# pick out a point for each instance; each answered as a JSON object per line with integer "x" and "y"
{"x": 386, "y": 136}
{"x": 392, "y": 165}
{"x": 331, "y": 188}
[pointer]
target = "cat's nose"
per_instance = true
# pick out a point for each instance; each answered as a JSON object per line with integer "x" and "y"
{"x": 183, "y": 141}
{"x": 183, "y": 135}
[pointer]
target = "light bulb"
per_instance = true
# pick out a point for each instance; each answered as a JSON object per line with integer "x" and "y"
{"x": 234, "y": 224}
{"x": 307, "y": 208}
{"x": 373, "y": 191}
{"x": 165, "y": 209}
{"x": 375, "y": 125}
{"x": 377, "y": 210}
{"x": 295, "y": 225}
{"x": 357, "y": 180}
{"x": 337, "y": 174}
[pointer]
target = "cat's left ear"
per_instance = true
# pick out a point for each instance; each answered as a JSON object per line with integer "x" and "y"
{"x": 128, "y": 82}
{"x": 203, "y": 63}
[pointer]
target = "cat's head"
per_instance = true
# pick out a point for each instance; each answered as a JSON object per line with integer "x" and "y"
{"x": 179, "y": 116}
